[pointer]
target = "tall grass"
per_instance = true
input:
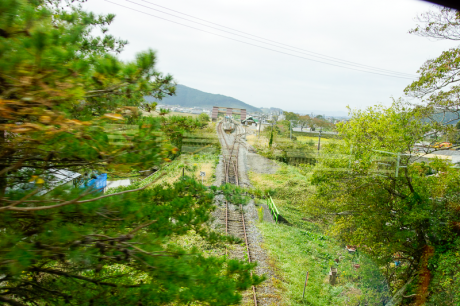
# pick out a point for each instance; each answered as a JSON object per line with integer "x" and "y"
{"x": 189, "y": 165}
{"x": 303, "y": 245}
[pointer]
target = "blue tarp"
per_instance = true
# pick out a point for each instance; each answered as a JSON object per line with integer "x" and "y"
{"x": 98, "y": 183}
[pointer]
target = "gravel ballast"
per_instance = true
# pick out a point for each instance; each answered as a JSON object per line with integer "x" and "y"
{"x": 267, "y": 293}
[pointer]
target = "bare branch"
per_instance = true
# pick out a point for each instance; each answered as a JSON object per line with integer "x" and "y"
{"x": 96, "y": 93}
{"x": 141, "y": 226}
{"x": 24, "y": 198}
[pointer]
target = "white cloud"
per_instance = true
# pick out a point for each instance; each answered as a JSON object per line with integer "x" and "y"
{"x": 373, "y": 33}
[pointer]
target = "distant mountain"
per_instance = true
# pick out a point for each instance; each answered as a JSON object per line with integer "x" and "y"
{"x": 271, "y": 110}
{"x": 333, "y": 113}
{"x": 189, "y": 97}
{"x": 446, "y": 118}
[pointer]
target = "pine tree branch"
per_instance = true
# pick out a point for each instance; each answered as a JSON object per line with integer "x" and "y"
{"x": 107, "y": 217}
{"x": 11, "y": 302}
{"x": 96, "y": 93}
{"x": 141, "y": 226}
{"x": 148, "y": 253}
{"x": 94, "y": 281}
{"x": 24, "y": 198}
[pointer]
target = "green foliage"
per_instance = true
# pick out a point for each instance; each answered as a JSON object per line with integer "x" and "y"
{"x": 291, "y": 116}
{"x": 203, "y": 117}
{"x": 127, "y": 246}
{"x": 311, "y": 251}
{"x": 283, "y": 146}
{"x": 446, "y": 283}
{"x": 437, "y": 84}
{"x": 61, "y": 90}
{"x": 260, "y": 213}
{"x": 176, "y": 127}
{"x": 438, "y": 24}
{"x": 233, "y": 193}
{"x": 404, "y": 216}
{"x": 68, "y": 103}
{"x": 270, "y": 142}
{"x": 302, "y": 245}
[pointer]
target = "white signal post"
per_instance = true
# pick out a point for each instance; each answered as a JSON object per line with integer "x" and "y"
{"x": 202, "y": 174}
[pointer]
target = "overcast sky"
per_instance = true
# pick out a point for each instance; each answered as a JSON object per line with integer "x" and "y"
{"x": 367, "y": 32}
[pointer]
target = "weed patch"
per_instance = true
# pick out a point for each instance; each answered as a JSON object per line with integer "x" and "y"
{"x": 304, "y": 245}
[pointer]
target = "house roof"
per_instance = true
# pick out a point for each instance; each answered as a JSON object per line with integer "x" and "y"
{"x": 57, "y": 177}
{"x": 251, "y": 118}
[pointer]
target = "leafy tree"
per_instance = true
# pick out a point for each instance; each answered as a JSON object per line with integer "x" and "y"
{"x": 270, "y": 142}
{"x": 395, "y": 212}
{"x": 388, "y": 202}
{"x": 175, "y": 127}
{"x": 291, "y": 116}
{"x": 304, "y": 121}
{"x": 273, "y": 122}
{"x": 64, "y": 98}
{"x": 203, "y": 117}
{"x": 437, "y": 85}
{"x": 319, "y": 122}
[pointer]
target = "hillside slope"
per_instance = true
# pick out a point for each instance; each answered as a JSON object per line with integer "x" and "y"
{"x": 189, "y": 97}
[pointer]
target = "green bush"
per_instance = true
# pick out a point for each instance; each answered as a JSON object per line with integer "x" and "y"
{"x": 203, "y": 117}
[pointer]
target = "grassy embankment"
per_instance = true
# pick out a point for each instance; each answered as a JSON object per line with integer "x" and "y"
{"x": 262, "y": 141}
{"x": 190, "y": 165}
{"x": 313, "y": 139}
{"x": 169, "y": 174}
{"x": 303, "y": 245}
{"x": 170, "y": 114}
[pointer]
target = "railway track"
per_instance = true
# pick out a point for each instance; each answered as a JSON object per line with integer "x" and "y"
{"x": 234, "y": 219}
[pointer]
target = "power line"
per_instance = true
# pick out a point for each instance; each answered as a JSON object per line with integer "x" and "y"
{"x": 261, "y": 47}
{"x": 307, "y": 52}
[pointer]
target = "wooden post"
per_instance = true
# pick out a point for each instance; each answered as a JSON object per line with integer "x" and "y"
{"x": 333, "y": 276}
{"x": 319, "y": 138}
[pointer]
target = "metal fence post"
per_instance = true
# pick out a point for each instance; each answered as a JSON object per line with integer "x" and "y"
{"x": 397, "y": 164}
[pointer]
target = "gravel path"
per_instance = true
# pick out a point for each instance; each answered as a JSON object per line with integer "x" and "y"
{"x": 260, "y": 164}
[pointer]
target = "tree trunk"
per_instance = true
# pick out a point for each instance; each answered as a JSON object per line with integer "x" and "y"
{"x": 3, "y": 181}
{"x": 396, "y": 299}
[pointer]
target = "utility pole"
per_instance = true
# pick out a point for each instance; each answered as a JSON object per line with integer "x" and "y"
{"x": 260, "y": 122}
{"x": 261, "y": 118}
{"x": 319, "y": 137}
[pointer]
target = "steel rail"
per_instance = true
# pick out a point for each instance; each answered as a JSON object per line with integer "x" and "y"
{"x": 226, "y": 163}
{"x": 234, "y": 163}
{"x": 219, "y": 131}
